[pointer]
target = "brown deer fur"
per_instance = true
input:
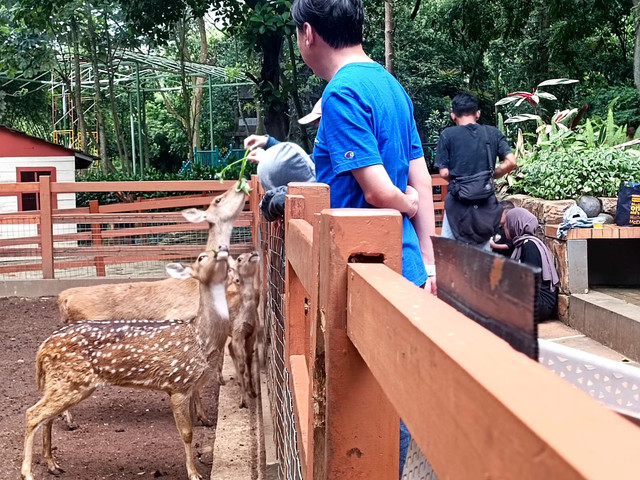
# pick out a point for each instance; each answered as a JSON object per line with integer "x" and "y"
{"x": 243, "y": 310}
{"x": 151, "y": 300}
{"x": 170, "y": 356}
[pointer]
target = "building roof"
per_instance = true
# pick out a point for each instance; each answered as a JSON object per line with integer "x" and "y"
{"x": 39, "y": 147}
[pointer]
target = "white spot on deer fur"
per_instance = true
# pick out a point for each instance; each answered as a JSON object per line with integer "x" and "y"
{"x": 177, "y": 379}
{"x": 64, "y": 349}
{"x": 173, "y": 362}
{"x": 186, "y": 347}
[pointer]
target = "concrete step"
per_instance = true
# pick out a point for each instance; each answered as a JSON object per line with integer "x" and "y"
{"x": 609, "y": 320}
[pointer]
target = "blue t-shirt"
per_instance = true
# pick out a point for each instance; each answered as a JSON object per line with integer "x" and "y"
{"x": 367, "y": 119}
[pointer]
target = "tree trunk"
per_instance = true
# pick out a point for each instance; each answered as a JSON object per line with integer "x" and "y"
{"x": 121, "y": 142}
{"x": 389, "y": 30}
{"x": 77, "y": 91}
{"x": 198, "y": 93}
{"x": 181, "y": 38}
{"x": 276, "y": 119}
{"x": 105, "y": 163}
{"x": 294, "y": 94}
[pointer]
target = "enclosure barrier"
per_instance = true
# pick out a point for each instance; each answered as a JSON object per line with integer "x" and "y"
{"x": 359, "y": 347}
{"x": 85, "y": 242}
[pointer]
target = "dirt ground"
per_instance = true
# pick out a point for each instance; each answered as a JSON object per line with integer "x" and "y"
{"x": 123, "y": 433}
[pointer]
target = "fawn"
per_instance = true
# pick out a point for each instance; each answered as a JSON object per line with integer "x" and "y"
{"x": 243, "y": 309}
{"x": 170, "y": 356}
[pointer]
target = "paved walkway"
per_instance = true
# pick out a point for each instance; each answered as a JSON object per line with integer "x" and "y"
{"x": 629, "y": 295}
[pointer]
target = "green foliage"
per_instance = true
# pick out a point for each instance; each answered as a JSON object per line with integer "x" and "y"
{"x": 566, "y": 173}
{"x": 197, "y": 172}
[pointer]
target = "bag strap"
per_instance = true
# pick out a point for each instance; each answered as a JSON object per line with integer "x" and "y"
{"x": 486, "y": 142}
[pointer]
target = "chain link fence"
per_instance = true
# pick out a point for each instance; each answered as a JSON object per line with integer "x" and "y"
{"x": 280, "y": 397}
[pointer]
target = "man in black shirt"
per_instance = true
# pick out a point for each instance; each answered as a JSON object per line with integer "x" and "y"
{"x": 464, "y": 150}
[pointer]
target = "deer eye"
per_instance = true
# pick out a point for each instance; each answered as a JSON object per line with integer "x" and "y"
{"x": 202, "y": 256}
{"x": 218, "y": 200}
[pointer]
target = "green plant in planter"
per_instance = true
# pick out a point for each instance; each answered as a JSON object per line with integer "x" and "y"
{"x": 568, "y": 173}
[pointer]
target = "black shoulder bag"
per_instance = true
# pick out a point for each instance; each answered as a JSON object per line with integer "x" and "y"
{"x": 478, "y": 186}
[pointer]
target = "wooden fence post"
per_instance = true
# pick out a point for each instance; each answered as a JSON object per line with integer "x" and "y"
{"x": 362, "y": 427}
{"x": 46, "y": 227}
{"x": 96, "y": 236}
{"x": 304, "y": 202}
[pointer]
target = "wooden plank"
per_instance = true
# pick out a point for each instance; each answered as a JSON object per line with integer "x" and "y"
{"x": 629, "y": 232}
{"x": 158, "y": 203}
{"x": 551, "y": 231}
{"x": 144, "y": 186}
{"x": 8, "y": 189}
{"x": 46, "y": 226}
{"x": 243, "y": 219}
{"x": 299, "y": 245}
{"x": 477, "y": 408}
{"x": 299, "y": 385}
{"x": 497, "y": 293}
{"x": 362, "y": 427}
{"x": 96, "y": 238}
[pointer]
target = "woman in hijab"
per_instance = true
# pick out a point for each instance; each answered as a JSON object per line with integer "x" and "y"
{"x": 520, "y": 228}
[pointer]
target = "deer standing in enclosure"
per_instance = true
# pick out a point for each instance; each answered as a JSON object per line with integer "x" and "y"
{"x": 169, "y": 299}
{"x": 243, "y": 310}
{"x": 170, "y": 356}
{"x": 149, "y": 300}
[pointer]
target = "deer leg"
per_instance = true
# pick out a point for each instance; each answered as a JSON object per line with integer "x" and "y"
{"x": 196, "y": 403}
{"x": 248, "y": 368}
{"x": 67, "y": 418}
{"x": 55, "y": 400}
{"x": 52, "y": 466}
{"x": 232, "y": 354}
{"x": 241, "y": 366}
{"x": 181, "y": 407}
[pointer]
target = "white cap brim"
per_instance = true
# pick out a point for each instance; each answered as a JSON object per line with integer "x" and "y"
{"x": 314, "y": 115}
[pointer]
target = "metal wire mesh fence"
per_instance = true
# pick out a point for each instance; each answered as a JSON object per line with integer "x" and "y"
{"x": 281, "y": 400}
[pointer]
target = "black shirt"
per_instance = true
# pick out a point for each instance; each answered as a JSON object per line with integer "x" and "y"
{"x": 501, "y": 239}
{"x": 462, "y": 149}
{"x": 547, "y": 295}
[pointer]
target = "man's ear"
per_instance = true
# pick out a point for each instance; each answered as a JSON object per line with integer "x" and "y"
{"x": 309, "y": 33}
{"x": 478, "y": 113}
{"x": 453, "y": 117}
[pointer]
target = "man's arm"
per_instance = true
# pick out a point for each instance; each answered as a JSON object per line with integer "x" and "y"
{"x": 380, "y": 191}
{"x": 424, "y": 221}
{"x": 508, "y": 163}
{"x": 444, "y": 173}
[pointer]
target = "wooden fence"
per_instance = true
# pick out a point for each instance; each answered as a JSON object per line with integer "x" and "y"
{"x": 364, "y": 347}
{"x": 98, "y": 244}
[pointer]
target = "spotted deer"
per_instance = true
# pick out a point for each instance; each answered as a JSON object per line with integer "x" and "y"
{"x": 172, "y": 356}
{"x": 149, "y": 300}
{"x": 168, "y": 299}
{"x": 243, "y": 309}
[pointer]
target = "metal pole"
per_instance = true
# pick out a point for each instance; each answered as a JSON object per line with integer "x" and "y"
{"x": 133, "y": 134}
{"x": 210, "y": 114}
{"x": 139, "y": 121}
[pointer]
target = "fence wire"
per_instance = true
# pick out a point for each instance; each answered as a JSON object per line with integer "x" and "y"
{"x": 280, "y": 397}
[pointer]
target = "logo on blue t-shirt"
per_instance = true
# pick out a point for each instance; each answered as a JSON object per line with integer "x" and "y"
{"x": 349, "y": 155}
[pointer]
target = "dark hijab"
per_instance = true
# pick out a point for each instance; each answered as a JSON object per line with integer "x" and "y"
{"x": 522, "y": 225}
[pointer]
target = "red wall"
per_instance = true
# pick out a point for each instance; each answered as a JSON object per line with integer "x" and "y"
{"x": 14, "y": 144}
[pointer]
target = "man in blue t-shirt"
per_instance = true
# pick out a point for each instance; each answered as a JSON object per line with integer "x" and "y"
{"x": 367, "y": 147}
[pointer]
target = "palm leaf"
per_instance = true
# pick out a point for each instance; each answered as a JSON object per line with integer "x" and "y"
{"x": 557, "y": 81}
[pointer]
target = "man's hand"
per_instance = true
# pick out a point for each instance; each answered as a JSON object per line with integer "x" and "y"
{"x": 256, "y": 155}
{"x": 430, "y": 286}
{"x": 253, "y": 142}
{"x": 414, "y": 199}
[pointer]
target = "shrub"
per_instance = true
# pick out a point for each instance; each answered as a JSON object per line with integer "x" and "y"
{"x": 567, "y": 173}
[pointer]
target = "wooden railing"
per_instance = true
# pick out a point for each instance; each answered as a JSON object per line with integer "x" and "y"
{"x": 40, "y": 252}
{"x": 365, "y": 347}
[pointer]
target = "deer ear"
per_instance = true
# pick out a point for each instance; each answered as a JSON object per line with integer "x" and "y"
{"x": 176, "y": 270}
{"x": 194, "y": 215}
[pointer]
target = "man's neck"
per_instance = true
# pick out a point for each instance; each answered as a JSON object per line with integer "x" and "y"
{"x": 339, "y": 57}
{"x": 466, "y": 120}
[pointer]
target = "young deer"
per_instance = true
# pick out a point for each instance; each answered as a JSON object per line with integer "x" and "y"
{"x": 243, "y": 309}
{"x": 150, "y": 300}
{"x": 170, "y": 356}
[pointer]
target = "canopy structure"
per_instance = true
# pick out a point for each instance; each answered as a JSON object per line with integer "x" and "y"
{"x": 134, "y": 74}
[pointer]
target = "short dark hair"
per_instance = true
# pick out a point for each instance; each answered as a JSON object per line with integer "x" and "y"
{"x": 507, "y": 205}
{"x": 338, "y": 22}
{"x": 464, "y": 104}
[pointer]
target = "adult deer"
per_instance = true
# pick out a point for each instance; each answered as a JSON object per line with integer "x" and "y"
{"x": 150, "y": 300}
{"x": 170, "y": 356}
